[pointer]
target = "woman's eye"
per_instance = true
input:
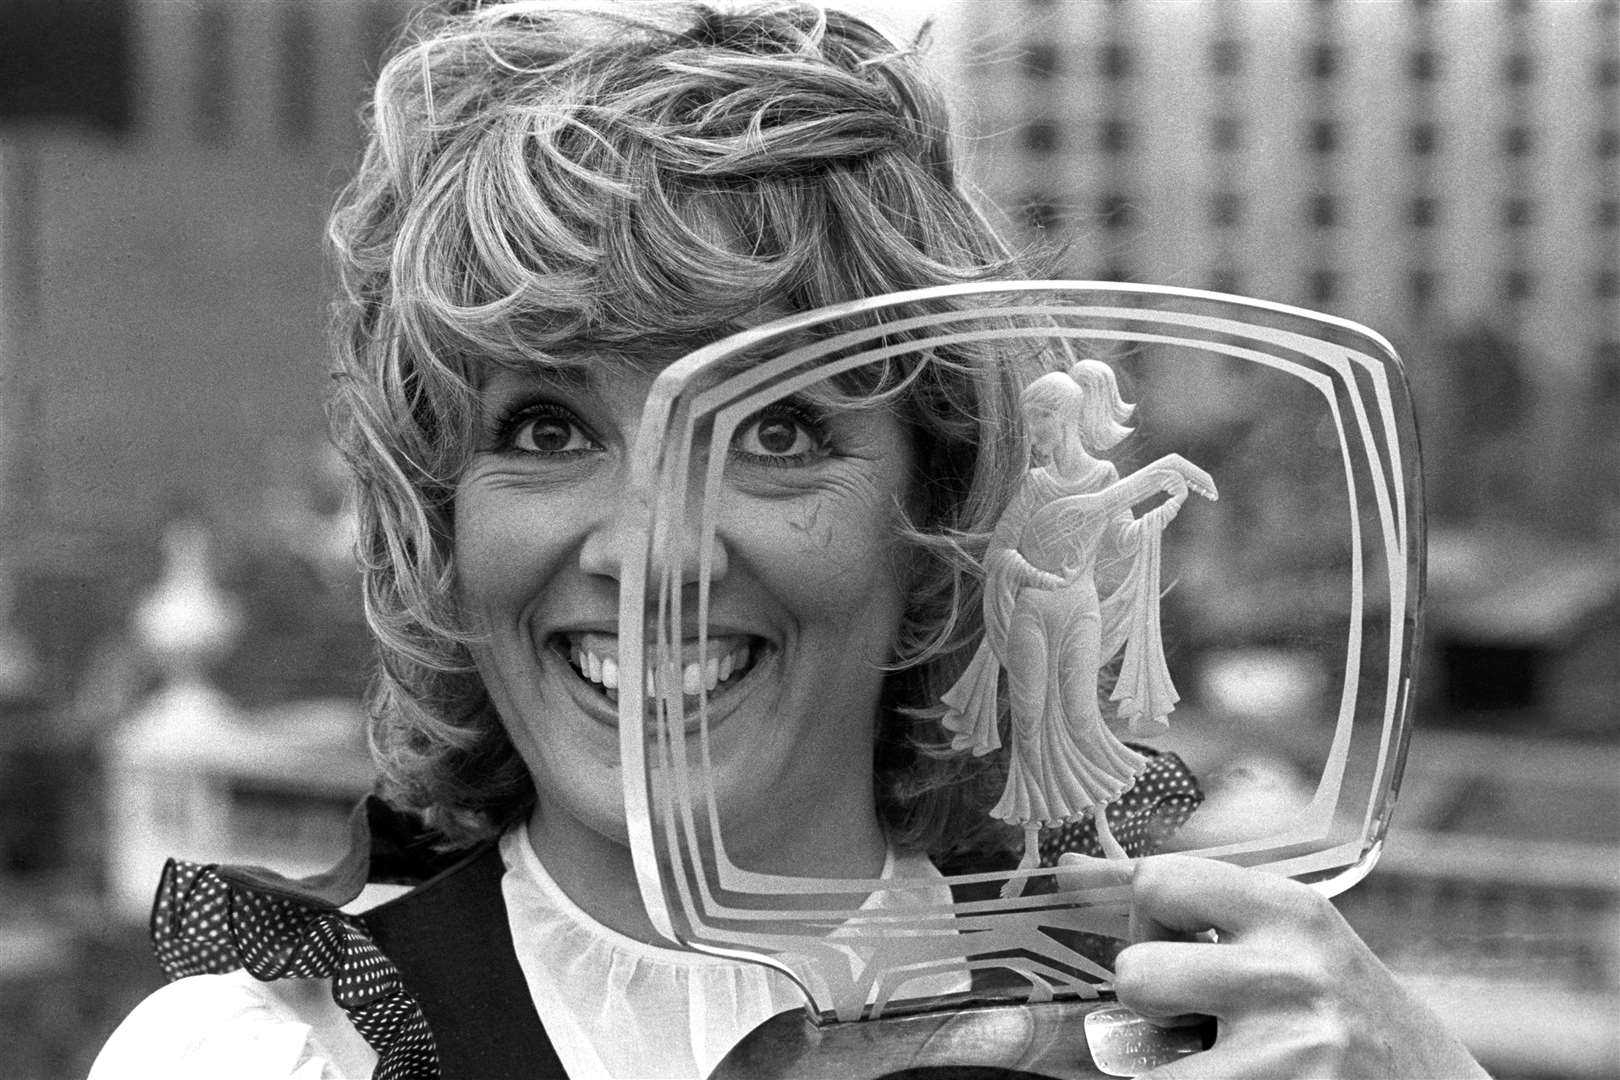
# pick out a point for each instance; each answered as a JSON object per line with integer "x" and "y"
{"x": 548, "y": 433}
{"x": 777, "y": 436}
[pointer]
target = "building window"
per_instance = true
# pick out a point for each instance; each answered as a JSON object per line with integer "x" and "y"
{"x": 1114, "y": 136}
{"x": 1606, "y": 285}
{"x": 1116, "y": 271}
{"x": 211, "y": 105}
{"x": 1039, "y": 137}
{"x": 1421, "y": 287}
{"x": 1324, "y": 136}
{"x": 1040, "y": 214}
{"x": 1606, "y": 215}
{"x": 1606, "y": 370}
{"x": 1517, "y": 212}
{"x": 1517, "y": 70}
{"x": 1423, "y": 212}
{"x": 1424, "y": 139}
{"x": 1323, "y": 62}
{"x": 1226, "y": 56}
{"x": 1323, "y": 211}
{"x": 1226, "y": 209}
{"x": 1607, "y": 71}
{"x": 1324, "y": 285}
{"x": 1115, "y": 210}
{"x": 1608, "y": 143}
{"x": 1040, "y": 59}
{"x": 1517, "y": 141}
{"x": 1115, "y": 61}
{"x": 1424, "y": 65}
{"x": 1225, "y": 279}
{"x": 1518, "y": 285}
{"x": 1226, "y": 134}
{"x": 296, "y": 70}
{"x": 379, "y": 26}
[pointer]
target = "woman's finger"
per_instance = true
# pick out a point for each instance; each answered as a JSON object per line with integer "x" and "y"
{"x": 1176, "y": 895}
{"x": 1076, "y": 871}
{"x": 1173, "y": 978}
{"x": 1140, "y": 984}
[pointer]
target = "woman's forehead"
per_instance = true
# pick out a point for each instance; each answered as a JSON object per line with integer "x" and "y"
{"x": 595, "y": 374}
{"x": 575, "y": 371}
{"x": 588, "y": 364}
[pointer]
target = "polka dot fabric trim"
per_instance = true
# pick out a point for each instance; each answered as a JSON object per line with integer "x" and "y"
{"x": 204, "y": 924}
{"x": 1141, "y": 819}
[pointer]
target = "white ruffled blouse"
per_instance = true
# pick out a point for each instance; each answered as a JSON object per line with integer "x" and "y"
{"x": 612, "y": 1006}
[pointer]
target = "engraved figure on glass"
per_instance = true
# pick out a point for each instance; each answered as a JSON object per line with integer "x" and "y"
{"x": 1053, "y": 627}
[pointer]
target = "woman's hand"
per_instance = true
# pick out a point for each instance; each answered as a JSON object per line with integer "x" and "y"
{"x": 1175, "y": 486}
{"x": 1294, "y": 991}
{"x": 1187, "y": 475}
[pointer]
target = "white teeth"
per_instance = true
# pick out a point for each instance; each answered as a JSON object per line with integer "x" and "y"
{"x": 693, "y": 678}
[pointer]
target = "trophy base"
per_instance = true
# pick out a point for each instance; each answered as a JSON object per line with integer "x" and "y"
{"x": 1054, "y": 1040}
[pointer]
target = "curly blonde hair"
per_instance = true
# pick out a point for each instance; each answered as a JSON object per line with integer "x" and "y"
{"x": 637, "y": 180}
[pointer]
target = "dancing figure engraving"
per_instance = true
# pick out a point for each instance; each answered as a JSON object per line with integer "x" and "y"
{"x": 1050, "y": 626}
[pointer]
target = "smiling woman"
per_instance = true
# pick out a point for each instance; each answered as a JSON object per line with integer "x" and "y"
{"x": 554, "y": 205}
{"x": 672, "y": 177}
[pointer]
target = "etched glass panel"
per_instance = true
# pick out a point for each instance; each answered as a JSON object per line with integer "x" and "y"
{"x": 1281, "y": 596}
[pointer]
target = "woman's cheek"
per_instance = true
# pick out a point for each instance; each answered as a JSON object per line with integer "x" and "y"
{"x": 836, "y": 552}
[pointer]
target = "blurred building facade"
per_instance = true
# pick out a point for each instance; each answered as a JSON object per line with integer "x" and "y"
{"x": 162, "y": 325}
{"x": 175, "y": 338}
{"x": 162, "y": 331}
{"x": 1446, "y": 172}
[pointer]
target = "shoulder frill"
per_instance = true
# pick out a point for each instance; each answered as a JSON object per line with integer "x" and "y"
{"x": 211, "y": 919}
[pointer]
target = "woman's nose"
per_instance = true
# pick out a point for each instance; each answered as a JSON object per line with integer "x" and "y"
{"x": 681, "y": 547}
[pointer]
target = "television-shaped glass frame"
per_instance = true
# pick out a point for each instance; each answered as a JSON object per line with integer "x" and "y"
{"x": 1325, "y": 406}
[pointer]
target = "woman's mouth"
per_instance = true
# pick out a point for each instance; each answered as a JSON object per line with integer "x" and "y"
{"x": 725, "y": 661}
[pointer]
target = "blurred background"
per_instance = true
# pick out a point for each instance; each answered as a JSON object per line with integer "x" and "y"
{"x": 181, "y": 650}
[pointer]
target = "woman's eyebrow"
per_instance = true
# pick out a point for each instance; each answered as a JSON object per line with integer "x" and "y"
{"x": 563, "y": 376}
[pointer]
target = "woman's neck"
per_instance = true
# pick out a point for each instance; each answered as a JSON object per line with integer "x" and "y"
{"x": 1070, "y": 460}
{"x": 597, "y": 872}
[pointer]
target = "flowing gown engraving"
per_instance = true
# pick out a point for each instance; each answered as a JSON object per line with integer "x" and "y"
{"x": 1052, "y": 628}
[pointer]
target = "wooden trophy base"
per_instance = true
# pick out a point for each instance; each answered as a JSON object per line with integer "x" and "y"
{"x": 1055, "y": 1040}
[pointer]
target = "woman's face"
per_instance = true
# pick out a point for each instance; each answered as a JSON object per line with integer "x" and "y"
{"x": 1045, "y": 429}
{"x": 805, "y": 599}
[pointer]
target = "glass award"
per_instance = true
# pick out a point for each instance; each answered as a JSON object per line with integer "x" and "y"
{"x": 1196, "y": 636}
